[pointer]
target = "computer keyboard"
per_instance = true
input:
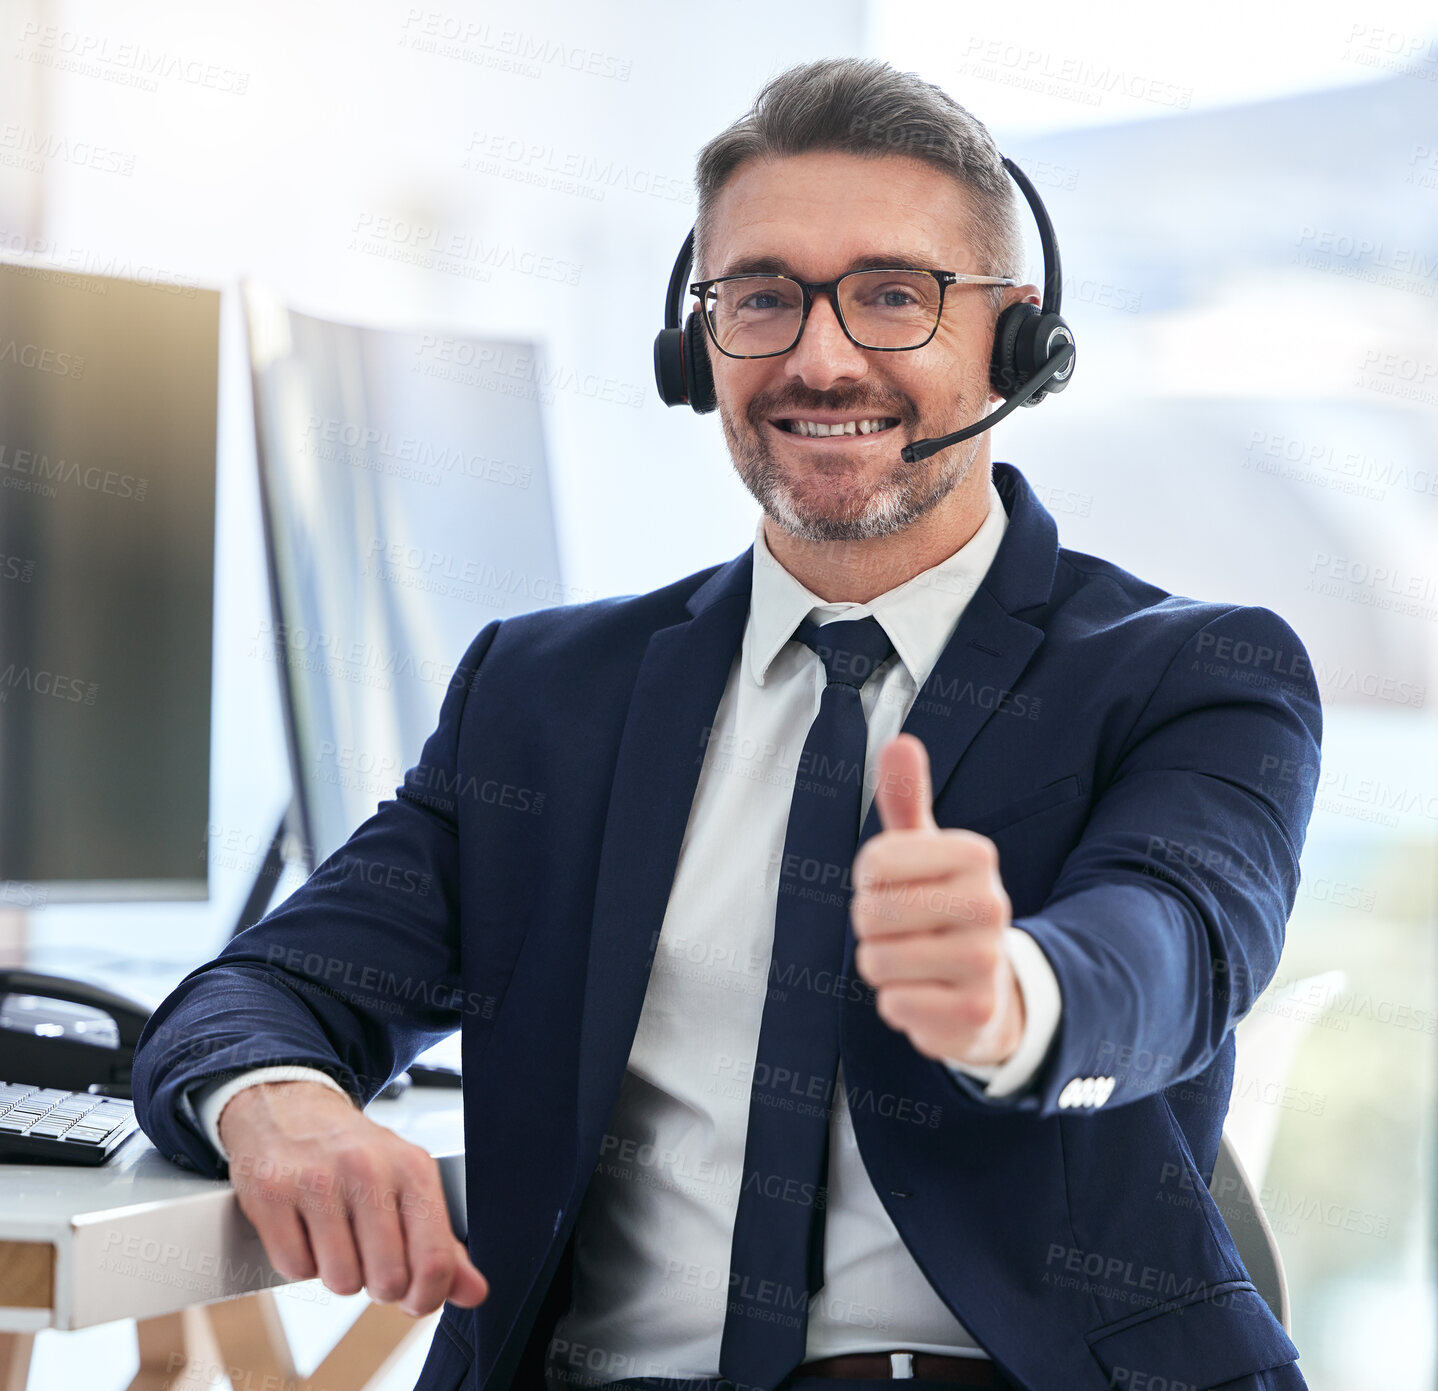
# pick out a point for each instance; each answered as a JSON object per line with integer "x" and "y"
{"x": 48, "y": 1125}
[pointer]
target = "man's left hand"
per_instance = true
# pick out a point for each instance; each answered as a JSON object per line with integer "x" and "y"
{"x": 929, "y": 913}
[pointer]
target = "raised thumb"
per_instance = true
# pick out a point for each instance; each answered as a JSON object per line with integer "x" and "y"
{"x": 904, "y": 793}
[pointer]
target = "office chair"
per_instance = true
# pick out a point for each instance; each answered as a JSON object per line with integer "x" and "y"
{"x": 1238, "y": 1204}
{"x": 1268, "y": 1044}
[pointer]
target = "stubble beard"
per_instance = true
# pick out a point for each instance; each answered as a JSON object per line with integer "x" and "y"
{"x": 808, "y": 510}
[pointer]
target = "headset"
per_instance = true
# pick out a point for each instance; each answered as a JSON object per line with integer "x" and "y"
{"x": 1033, "y": 353}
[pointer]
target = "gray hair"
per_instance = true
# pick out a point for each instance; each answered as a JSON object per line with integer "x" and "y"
{"x": 864, "y": 106}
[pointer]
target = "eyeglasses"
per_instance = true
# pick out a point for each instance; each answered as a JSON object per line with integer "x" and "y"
{"x": 889, "y": 311}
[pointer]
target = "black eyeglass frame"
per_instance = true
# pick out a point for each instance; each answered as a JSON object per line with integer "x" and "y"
{"x": 700, "y": 290}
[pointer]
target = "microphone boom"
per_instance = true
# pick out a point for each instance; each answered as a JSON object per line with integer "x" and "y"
{"x": 922, "y": 449}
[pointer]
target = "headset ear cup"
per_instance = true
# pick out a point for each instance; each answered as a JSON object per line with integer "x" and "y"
{"x": 1048, "y": 337}
{"x": 669, "y": 365}
{"x": 1024, "y": 338}
{"x": 1006, "y": 370}
{"x": 698, "y": 374}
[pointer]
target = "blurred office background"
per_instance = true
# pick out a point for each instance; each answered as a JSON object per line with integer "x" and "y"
{"x": 1248, "y": 212}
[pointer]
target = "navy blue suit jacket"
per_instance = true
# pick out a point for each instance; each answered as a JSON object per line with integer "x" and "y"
{"x": 1145, "y": 764}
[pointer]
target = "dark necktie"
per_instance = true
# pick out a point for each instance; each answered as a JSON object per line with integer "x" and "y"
{"x": 777, "y": 1259}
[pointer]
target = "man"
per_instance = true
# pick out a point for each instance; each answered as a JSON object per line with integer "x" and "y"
{"x": 797, "y": 1049}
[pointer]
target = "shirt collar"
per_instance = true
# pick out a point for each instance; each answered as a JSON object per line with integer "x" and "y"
{"x": 919, "y": 615}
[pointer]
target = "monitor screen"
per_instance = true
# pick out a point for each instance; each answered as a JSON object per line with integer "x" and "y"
{"x": 108, "y": 408}
{"x": 407, "y": 504}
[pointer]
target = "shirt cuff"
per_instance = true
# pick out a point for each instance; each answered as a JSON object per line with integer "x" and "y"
{"x": 1042, "y": 1006}
{"x": 209, "y": 1098}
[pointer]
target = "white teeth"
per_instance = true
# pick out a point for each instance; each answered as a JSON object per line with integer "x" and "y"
{"x": 816, "y": 429}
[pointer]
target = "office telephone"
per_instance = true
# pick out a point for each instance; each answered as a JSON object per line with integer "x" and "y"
{"x": 66, "y": 1051}
{"x": 61, "y": 1033}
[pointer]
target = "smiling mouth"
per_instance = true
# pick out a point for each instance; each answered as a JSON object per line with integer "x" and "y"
{"x": 818, "y": 429}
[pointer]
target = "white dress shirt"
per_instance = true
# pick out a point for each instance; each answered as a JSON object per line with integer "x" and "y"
{"x": 654, "y": 1232}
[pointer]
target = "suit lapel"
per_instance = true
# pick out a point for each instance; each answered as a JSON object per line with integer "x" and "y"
{"x": 676, "y": 696}
{"x": 990, "y": 646}
{"x": 985, "y": 656}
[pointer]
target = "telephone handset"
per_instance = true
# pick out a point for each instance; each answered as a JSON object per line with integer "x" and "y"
{"x": 56, "y": 1032}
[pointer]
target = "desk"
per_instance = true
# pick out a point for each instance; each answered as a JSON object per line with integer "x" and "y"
{"x": 139, "y": 1238}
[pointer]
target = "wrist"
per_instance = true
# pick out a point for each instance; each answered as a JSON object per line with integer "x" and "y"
{"x": 1042, "y": 1002}
{"x": 997, "y": 1042}
{"x": 262, "y": 1098}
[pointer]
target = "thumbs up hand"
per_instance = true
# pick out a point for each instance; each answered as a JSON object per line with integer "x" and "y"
{"x": 929, "y": 912}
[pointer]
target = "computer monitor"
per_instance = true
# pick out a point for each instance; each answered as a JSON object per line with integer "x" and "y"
{"x": 108, "y": 409}
{"x": 406, "y": 504}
